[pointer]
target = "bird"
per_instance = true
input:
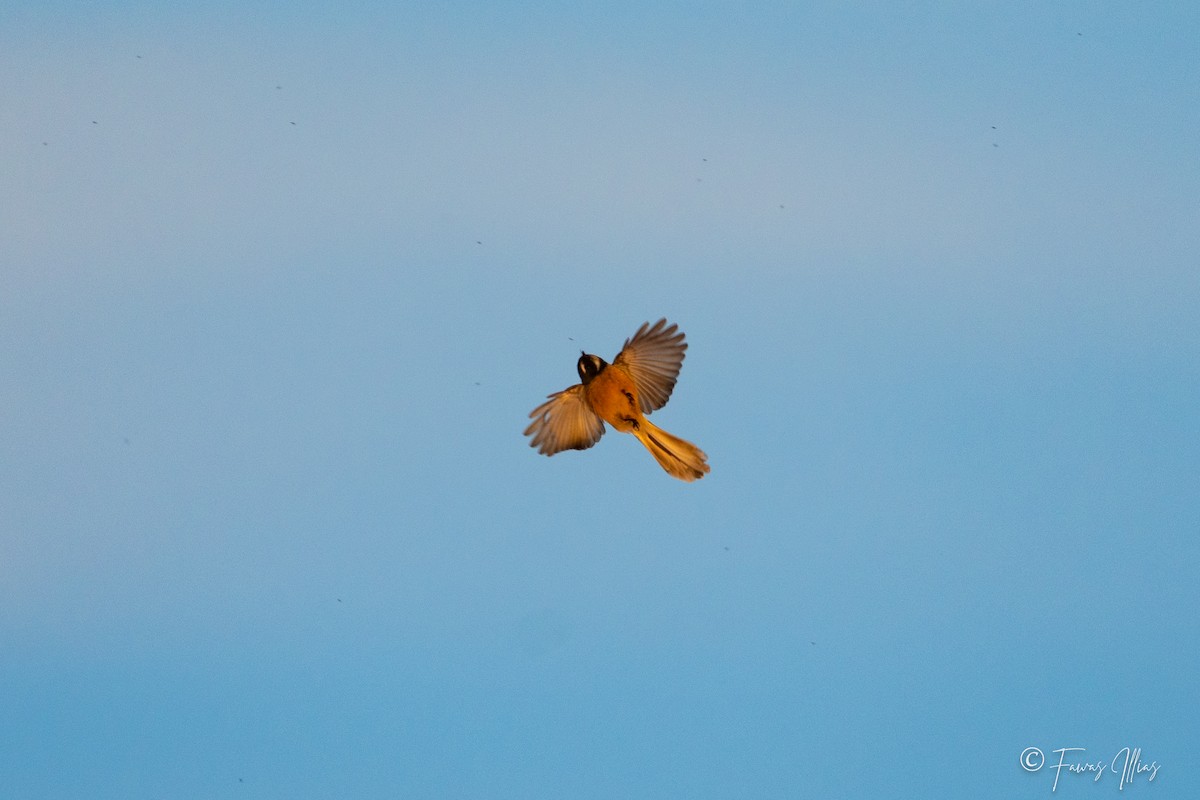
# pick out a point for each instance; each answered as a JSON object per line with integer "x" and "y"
{"x": 638, "y": 381}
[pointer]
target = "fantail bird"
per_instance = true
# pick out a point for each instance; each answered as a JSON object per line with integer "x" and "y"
{"x": 638, "y": 381}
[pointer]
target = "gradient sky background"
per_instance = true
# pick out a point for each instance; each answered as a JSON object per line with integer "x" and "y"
{"x": 279, "y": 288}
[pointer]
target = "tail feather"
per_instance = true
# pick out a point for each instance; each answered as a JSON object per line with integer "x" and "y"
{"x": 678, "y": 457}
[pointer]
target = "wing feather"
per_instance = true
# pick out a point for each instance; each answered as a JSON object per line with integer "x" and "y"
{"x": 653, "y": 357}
{"x": 564, "y": 422}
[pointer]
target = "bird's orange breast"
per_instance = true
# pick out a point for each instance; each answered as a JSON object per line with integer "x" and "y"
{"x": 613, "y": 396}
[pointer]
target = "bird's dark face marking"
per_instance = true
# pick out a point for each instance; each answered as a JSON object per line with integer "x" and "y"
{"x": 590, "y": 366}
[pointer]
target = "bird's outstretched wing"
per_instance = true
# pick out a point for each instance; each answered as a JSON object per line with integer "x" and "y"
{"x": 564, "y": 422}
{"x": 653, "y": 357}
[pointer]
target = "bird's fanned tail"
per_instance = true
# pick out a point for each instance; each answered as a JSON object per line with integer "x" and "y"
{"x": 678, "y": 457}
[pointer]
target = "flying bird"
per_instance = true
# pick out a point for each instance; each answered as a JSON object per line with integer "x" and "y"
{"x": 638, "y": 381}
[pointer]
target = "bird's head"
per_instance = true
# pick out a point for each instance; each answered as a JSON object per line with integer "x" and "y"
{"x": 590, "y": 366}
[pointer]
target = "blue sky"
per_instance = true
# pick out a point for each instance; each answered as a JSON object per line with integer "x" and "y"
{"x": 279, "y": 288}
